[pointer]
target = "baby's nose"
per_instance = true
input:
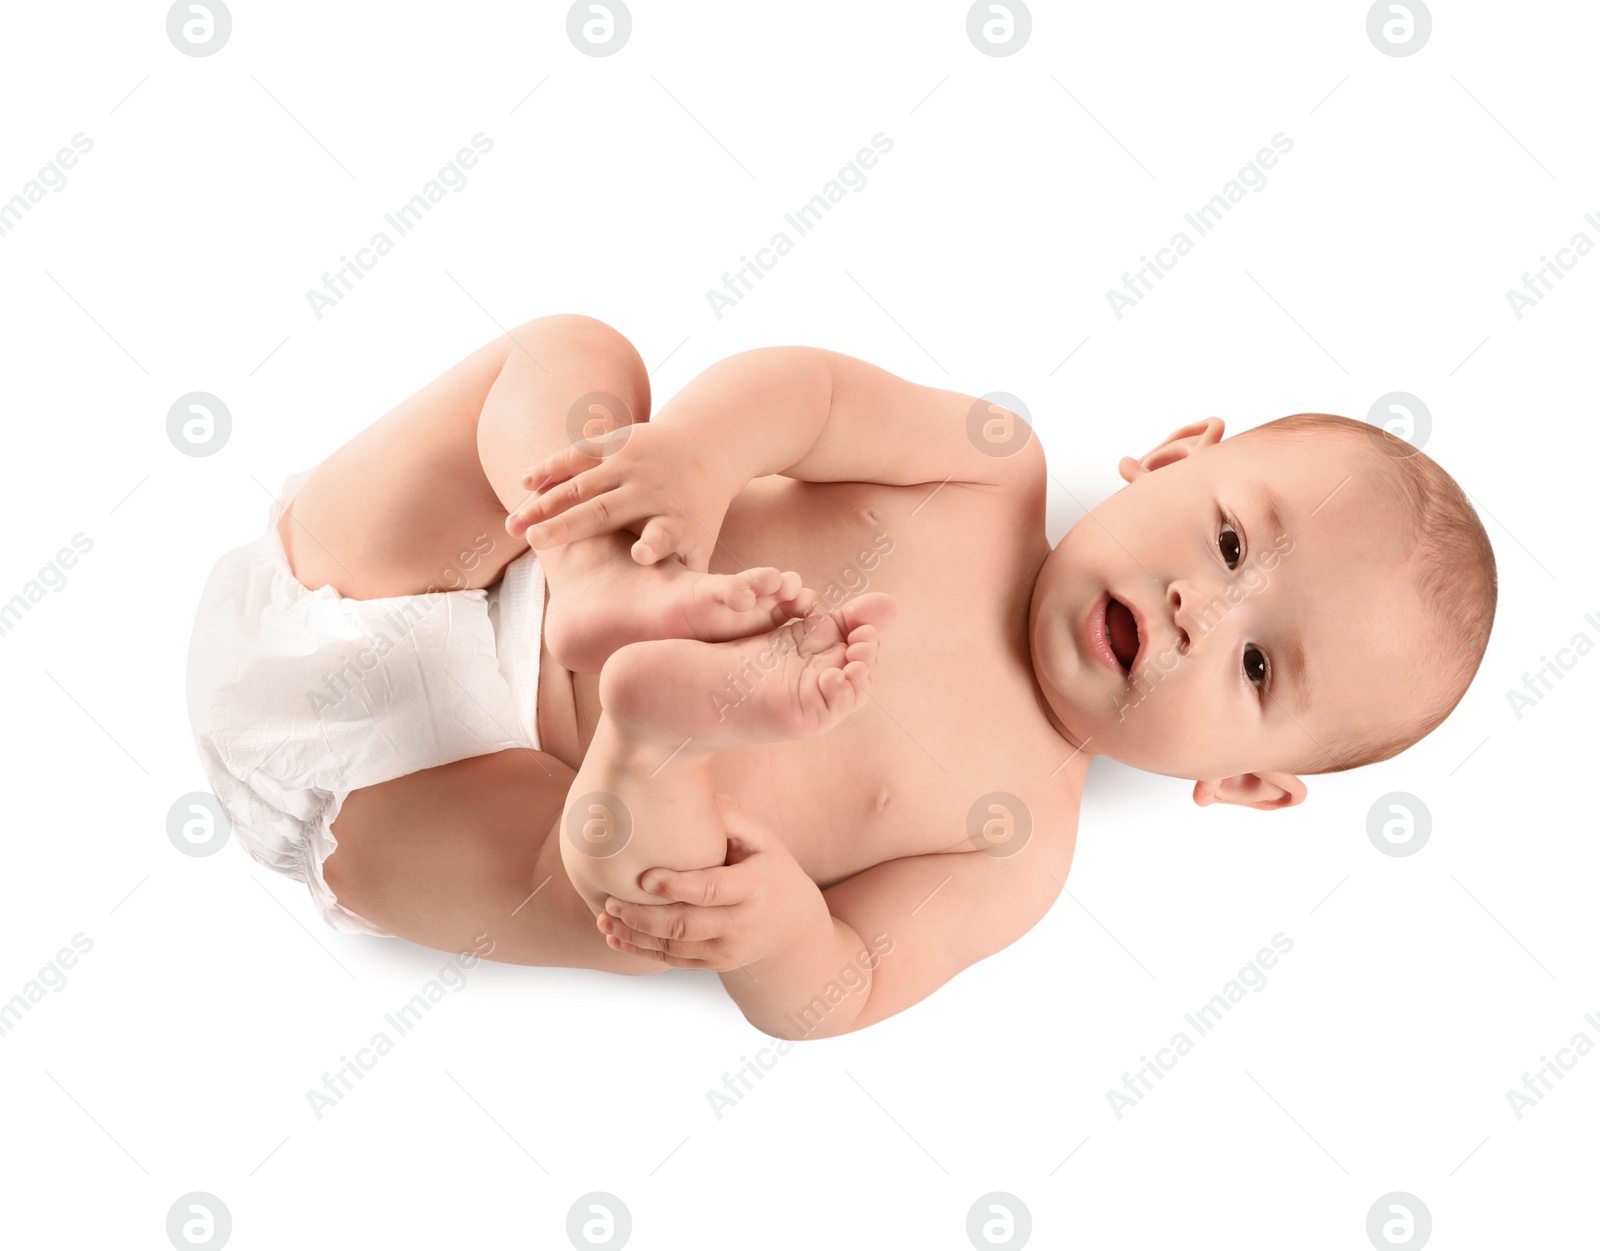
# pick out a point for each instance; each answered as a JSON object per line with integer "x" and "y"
{"x": 1191, "y": 618}
{"x": 1182, "y": 618}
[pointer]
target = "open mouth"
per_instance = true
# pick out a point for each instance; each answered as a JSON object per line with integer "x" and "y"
{"x": 1113, "y": 633}
{"x": 1122, "y": 633}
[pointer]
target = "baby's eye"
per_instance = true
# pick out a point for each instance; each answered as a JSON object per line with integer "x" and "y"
{"x": 1228, "y": 544}
{"x": 1255, "y": 666}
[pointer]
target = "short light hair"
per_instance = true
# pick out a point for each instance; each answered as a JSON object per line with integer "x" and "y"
{"x": 1456, "y": 578}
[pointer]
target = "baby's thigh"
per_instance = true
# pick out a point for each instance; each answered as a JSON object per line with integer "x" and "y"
{"x": 464, "y": 856}
{"x": 417, "y": 501}
{"x": 404, "y": 507}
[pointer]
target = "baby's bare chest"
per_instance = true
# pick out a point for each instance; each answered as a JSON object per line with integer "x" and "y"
{"x": 954, "y": 719}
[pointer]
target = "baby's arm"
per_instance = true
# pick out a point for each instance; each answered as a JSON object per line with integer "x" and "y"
{"x": 806, "y": 413}
{"x": 803, "y": 963}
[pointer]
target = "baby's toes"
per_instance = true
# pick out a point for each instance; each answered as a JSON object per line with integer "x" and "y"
{"x": 840, "y": 694}
{"x": 862, "y": 643}
{"x": 873, "y": 607}
{"x": 802, "y": 602}
{"x": 789, "y": 585}
{"x": 864, "y": 650}
{"x": 736, "y": 592}
{"x": 764, "y": 580}
{"x": 854, "y": 680}
{"x": 792, "y": 599}
{"x": 751, "y": 588}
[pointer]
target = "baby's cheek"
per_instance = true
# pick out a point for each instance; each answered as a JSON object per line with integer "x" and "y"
{"x": 1178, "y": 729}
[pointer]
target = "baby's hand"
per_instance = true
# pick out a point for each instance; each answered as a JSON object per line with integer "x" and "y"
{"x": 646, "y": 478}
{"x": 758, "y": 905}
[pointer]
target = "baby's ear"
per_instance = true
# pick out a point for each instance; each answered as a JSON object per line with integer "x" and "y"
{"x": 1266, "y": 791}
{"x": 1182, "y": 442}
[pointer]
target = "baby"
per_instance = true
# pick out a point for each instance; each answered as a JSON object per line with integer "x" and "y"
{"x": 717, "y": 767}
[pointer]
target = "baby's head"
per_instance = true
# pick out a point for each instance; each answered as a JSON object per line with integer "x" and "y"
{"x": 1307, "y": 596}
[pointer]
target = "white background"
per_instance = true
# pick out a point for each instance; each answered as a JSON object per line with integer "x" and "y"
{"x": 1019, "y": 189}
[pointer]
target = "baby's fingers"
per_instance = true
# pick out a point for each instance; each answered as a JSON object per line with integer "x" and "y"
{"x": 602, "y": 515}
{"x": 705, "y": 888}
{"x": 561, "y": 466}
{"x": 673, "y": 959}
{"x": 656, "y": 541}
{"x": 674, "y": 921}
{"x": 556, "y": 499}
{"x": 680, "y": 953}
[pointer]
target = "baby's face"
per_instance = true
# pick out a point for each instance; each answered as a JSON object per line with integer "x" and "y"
{"x": 1242, "y": 609}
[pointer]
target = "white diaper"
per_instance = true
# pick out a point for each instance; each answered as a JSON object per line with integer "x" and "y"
{"x": 298, "y": 697}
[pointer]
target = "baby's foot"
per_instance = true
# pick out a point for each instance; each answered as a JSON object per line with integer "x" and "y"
{"x": 798, "y": 680}
{"x": 620, "y": 603}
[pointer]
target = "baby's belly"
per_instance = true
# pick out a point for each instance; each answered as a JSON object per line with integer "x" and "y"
{"x": 840, "y": 802}
{"x": 836, "y": 806}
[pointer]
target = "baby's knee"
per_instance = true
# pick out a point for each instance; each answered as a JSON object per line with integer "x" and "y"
{"x": 598, "y": 341}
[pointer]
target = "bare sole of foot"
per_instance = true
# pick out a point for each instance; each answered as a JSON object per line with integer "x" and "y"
{"x": 618, "y": 604}
{"x": 795, "y": 681}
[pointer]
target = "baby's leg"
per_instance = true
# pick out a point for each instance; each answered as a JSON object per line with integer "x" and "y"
{"x": 413, "y": 503}
{"x": 643, "y": 796}
{"x": 560, "y": 376}
{"x": 465, "y": 857}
